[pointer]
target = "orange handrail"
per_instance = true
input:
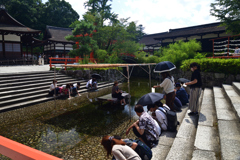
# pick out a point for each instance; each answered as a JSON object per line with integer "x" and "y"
{"x": 67, "y": 60}
{"x": 18, "y": 151}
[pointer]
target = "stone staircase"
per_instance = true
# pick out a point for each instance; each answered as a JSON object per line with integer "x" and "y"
{"x": 214, "y": 135}
{"x": 25, "y": 89}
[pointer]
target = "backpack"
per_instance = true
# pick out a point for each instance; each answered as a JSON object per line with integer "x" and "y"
{"x": 171, "y": 118}
{"x": 142, "y": 149}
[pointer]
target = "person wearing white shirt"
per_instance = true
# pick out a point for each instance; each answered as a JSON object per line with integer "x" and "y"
{"x": 159, "y": 114}
{"x": 53, "y": 88}
{"x": 91, "y": 84}
{"x": 168, "y": 87}
{"x": 118, "y": 149}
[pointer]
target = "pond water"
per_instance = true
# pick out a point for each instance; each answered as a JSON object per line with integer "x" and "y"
{"x": 76, "y": 134}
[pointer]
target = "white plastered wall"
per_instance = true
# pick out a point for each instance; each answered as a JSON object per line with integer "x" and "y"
{"x": 12, "y": 37}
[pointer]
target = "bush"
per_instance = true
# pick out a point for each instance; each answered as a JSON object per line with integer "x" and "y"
{"x": 226, "y": 66}
{"x": 152, "y": 59}
{"x": 200, "y": 56}
{"x": 101, "y": 55}
{"x": 113, "y": 58}
{"x": 180, "y": 51}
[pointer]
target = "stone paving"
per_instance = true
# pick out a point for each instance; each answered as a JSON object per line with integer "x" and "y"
{"x": 23, "y": 68}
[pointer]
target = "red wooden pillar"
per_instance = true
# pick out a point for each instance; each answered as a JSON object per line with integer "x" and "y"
{"x": 50, "y": 62}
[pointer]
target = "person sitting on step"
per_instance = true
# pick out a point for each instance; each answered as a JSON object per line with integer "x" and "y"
{"x": 74, "y": 90}
{"x": 117, "y": 93}
{"x": 146, "y": 128}
{"x": 54, "y": 88}
{"x": 92, "y": 84}
{"x": 181, "y": 94}
{"x": 159, "y": 114}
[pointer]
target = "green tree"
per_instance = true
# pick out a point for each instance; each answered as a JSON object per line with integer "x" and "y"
{"x": 140, "y": 32}
{"x": 58, "y": 13}
{"x": 27, "y": 12}
{"x": 180, "y": 51}
{"x": 86, "y": 43}
{"x": 228, "y": 12}
{"x": 36, "y": 15}
{"x": 101, "y": 9}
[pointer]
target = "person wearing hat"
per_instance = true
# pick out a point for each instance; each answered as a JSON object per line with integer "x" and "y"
{"x": 181, "y": 94}
{"x": 117, "y": 93}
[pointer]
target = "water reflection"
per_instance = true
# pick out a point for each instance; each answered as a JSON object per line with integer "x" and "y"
{"x": 52, "y": 141}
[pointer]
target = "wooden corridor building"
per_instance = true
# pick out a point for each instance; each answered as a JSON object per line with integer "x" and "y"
{"x": 202, "y": 33}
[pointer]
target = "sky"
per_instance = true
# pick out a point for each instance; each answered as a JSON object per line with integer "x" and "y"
{"x": 158, "y": 15}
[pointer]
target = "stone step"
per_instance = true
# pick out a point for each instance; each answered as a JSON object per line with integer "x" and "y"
{"x": 203, "y": 155}
{"x": 236, "y": 86}
{"x": 34, "y": 95}
{"x": 229, "y": 132}
{"x": 207, "y": 136}
{"x": 24, "y": 100}
{"x": 228, "y": 126}
{"x": 166, "y": 139}
{"x": 46, "y": 83}
{"x": 182, "y": 147}
{"x": 42, "y": 86}
{"x": 224, "y": 109}
{"x": 34, "y": 81}
{"x": 2, "y": 77}
{"x": 32, "y": 91}
{"x": 11, "y": 80}
{"x": 233, "y": 98}
{"x": 25, "y": 74}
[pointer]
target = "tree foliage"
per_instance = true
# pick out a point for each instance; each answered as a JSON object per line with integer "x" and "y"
{"x": 228, "y": 12}
{"x": 36, "y": 15}
{"x": 179, "y": 51}
{"x": 81, "y": 34}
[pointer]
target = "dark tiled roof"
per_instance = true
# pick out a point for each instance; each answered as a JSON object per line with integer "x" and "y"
{"x": 194, "y": 30}
{"x": 9, "y": 24}
{"x": 149, "y": 40}
{"x": 58, "y": 34}
{"x": 154, "y": 39}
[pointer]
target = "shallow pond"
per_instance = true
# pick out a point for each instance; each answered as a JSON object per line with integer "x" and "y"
{"x": 76, "y": 134}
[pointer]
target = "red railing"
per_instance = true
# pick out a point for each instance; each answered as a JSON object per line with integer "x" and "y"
{"x": 67, "y": 61}
{"x": 18, "y": 151}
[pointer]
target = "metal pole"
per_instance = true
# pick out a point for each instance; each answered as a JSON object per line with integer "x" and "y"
{"x": 128, "y": 73}
{"x": 54, "y": 84}
{"x": 150, "y": 77}
{"x": 129, "y": 102}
